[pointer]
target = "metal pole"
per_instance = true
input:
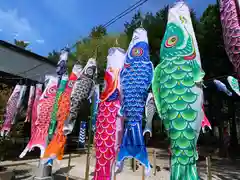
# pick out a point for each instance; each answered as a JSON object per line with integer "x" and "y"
{"x": 88, "y": 150}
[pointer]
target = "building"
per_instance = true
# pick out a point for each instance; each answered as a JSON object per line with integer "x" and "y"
{"x": 18, "y": 62}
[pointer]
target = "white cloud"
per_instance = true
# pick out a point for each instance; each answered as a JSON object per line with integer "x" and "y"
{"x": 40, "y": 41}
{"x": 14, "y": 25}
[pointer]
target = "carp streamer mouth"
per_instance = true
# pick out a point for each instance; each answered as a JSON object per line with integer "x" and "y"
{"x": 190, "y": 57}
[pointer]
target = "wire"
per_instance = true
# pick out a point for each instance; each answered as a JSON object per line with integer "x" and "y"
{"x": 22, "y": 78}
{"x": 219, "y": 77}
{"x": 112, "y": 21}
{"x": 125, "y": 12}
{"x": 24, "y": 72}
{"x": 109, "y": 23}
{"x": 119, "y": 16}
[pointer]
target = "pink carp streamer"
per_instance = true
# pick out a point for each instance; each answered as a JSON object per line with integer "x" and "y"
{"x": 205, "y": 121}
{"x": 11, "y": 110}
{"x": 109, "y": 126}
{"x": 30, "y": 103}
{"x": 230, "y": 19}
{"x": 44, "y": 109}
{"x": 30, "y": 145}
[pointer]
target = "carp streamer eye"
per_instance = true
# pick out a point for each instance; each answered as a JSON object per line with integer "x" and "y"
{"x": 137, "y": 52}
{"x": 70, "y": 83}
{"x": 90, "y": 71}
{"x": 51, "y": 90}
{"x": 172, "y": 41}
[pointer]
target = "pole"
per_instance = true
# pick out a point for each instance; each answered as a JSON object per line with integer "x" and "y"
{"x": 208, "y": 163}
{"x": 88, "y": 150}
{"x": 69, "y": 163}
{"x": 143, "y": 172}
{"x": 134, "y": 164}
{"x": 154, "y": 162}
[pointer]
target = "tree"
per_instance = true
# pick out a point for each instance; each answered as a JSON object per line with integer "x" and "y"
{"x": 54, "y": 56}
{"x": 98, "y": 32}
{"x": 87, "y": 49}
{"x": 211, "y": 44}
{"x": 21, "y": 44}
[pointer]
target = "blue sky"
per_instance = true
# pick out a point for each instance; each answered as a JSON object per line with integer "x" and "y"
{"x": 51, "y": 24}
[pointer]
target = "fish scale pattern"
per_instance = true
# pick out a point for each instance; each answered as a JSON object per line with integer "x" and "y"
{"x": 107, "y": 132}
{"x": 10, "y": 110}
{"x": 178, "y": 99}
{"x": 44, "y": 110}
{"x": 136, "y": 78}
{"x": 105, "y": 138}
{"x": 229, "y": 12}
{"x": 81, "y": 91}
{"x": 56, "y": 146}
{"x": 53, "y": 122}
{"x": 136, "y": 81}
{"x": 82, "y": 87}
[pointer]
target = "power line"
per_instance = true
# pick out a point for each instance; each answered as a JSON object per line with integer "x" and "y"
{"x": 119, "y": 16}
{"x": 125, "y": 12}
{"x": 116, "y": 18}
{"x": 110, "y": 22}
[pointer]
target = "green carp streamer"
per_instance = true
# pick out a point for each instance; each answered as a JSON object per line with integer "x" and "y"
{"x": 178, "y": 93}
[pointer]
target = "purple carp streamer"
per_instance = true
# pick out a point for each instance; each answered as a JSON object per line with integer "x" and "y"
{"x": 150, "y": 110}
{"x": 13, "y": 105}
{"x": 222, "y": 87}
{"x": 11, "y": 109}
{"x": 30, "y": 103}
{"x": 62, "y": 63}
{"x": 19, "y": 102}
{"x": 230, "y": 19}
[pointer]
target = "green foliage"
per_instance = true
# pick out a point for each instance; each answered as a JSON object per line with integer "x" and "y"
{"x": 214, "y": 58}
{"x": 98, "y": 32}
{"x": 21, "y": 44}
{"x": 54, "y": 56}
{"x": 88, "y": 49}
{"x": 207, "y": 29}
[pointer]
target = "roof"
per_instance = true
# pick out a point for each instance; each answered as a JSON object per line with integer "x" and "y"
{"x": 20, "y": 62}
{"x": 26, "y": 52}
